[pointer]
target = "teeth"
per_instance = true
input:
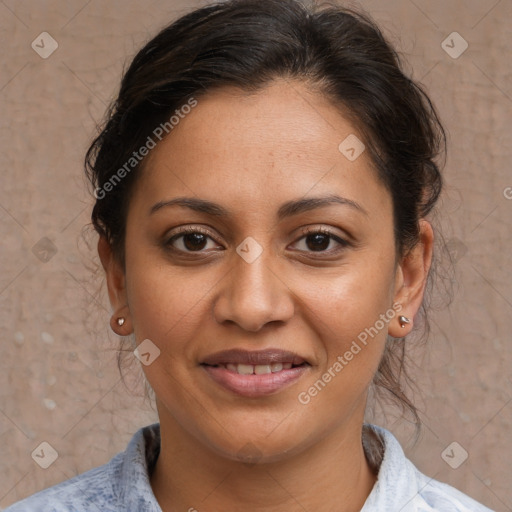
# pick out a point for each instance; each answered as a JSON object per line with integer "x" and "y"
{"x": 258, "y": 369}
{"x": 261, "y": 369}
{"x": 245, "y": 369}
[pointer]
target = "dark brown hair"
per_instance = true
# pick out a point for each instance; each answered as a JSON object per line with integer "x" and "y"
{"x": 339, "y": 52}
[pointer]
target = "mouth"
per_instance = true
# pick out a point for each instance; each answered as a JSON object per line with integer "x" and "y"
{"x": 255, "y": 373}
{"x": 256, "y": 369}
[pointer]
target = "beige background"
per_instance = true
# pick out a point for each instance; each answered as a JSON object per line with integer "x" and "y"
{"x": 59, "y": 381}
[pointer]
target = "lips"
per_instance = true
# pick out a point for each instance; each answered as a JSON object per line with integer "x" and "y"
{"x": 253, "y": 357}
{"x": 255, "y": 373}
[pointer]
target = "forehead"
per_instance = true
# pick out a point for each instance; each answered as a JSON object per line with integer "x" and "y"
{"x": 256, "y": 149}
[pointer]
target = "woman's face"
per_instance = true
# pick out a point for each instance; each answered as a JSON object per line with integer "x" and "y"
{"x": 254, "y": 280}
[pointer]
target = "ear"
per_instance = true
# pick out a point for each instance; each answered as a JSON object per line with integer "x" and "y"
{"x": 116, "y": 284}
{"x": 411, "y": 279}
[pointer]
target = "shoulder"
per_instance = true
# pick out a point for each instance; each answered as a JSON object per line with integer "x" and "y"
{"x": 80, "y": 493}
{"x": 401, "y": 486}
{"x": 121, "y": 484}
{"x": 438, "y": 496}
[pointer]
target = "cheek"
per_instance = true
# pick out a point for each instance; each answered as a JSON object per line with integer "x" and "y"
{"x": 351, "y": 296}
{"x": 351, "y": 313}
{"x": 164, "y": 299}
{"x": 165, "y": 303}
{"x": 169, "y": 302}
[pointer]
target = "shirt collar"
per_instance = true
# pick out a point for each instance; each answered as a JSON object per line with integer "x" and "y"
{"x": 135, "y": 492}
{"x": 395, "y": 472}
{"x": 397, "y": 483}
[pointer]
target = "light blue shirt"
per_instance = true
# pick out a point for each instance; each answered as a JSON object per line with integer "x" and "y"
{"x": 123, "y": 484}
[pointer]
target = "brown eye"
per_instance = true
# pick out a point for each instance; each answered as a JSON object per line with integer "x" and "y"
{"x": 190, "y": 239}
{"x": 319, "y": 240}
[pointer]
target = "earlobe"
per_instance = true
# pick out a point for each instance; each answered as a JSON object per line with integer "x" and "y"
{"x": 411, "y": 279}
{"x": 121, "y": 325}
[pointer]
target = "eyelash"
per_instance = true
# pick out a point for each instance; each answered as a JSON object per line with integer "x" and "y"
{"x": 308, "y": 231}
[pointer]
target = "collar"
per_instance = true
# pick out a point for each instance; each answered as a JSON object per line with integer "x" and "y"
{"x": 399, "y": 486}
{"x": 135, "y": 492}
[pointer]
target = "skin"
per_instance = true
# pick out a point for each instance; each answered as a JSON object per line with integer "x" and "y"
{"x": 251, "y": 154}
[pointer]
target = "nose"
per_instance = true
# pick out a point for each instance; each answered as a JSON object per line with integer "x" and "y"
{"x": 254, "y": 294}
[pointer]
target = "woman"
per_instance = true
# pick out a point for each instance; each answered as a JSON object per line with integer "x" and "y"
{"x": 262, "y": 191}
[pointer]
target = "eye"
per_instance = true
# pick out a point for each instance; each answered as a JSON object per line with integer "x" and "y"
{"x": 319, "y": 239}
{"x": 193, "y": 239}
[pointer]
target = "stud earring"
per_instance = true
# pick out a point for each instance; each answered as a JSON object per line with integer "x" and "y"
{"x": 120, "y": 321}
{"x": 403, "y": 320}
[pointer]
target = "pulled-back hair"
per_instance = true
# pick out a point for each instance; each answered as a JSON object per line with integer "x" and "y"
{"x": 341, "y": 53}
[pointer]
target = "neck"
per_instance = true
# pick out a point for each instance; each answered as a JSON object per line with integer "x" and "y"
{"x": 333, "y": 475}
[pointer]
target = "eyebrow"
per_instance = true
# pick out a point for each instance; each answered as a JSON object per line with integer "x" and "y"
{"x": 287, "y": 209}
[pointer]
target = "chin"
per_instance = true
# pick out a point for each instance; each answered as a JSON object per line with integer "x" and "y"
{"x": 260, "y": 448}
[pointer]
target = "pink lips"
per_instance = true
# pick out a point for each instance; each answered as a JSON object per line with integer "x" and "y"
{"x": 286, "y": 368}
